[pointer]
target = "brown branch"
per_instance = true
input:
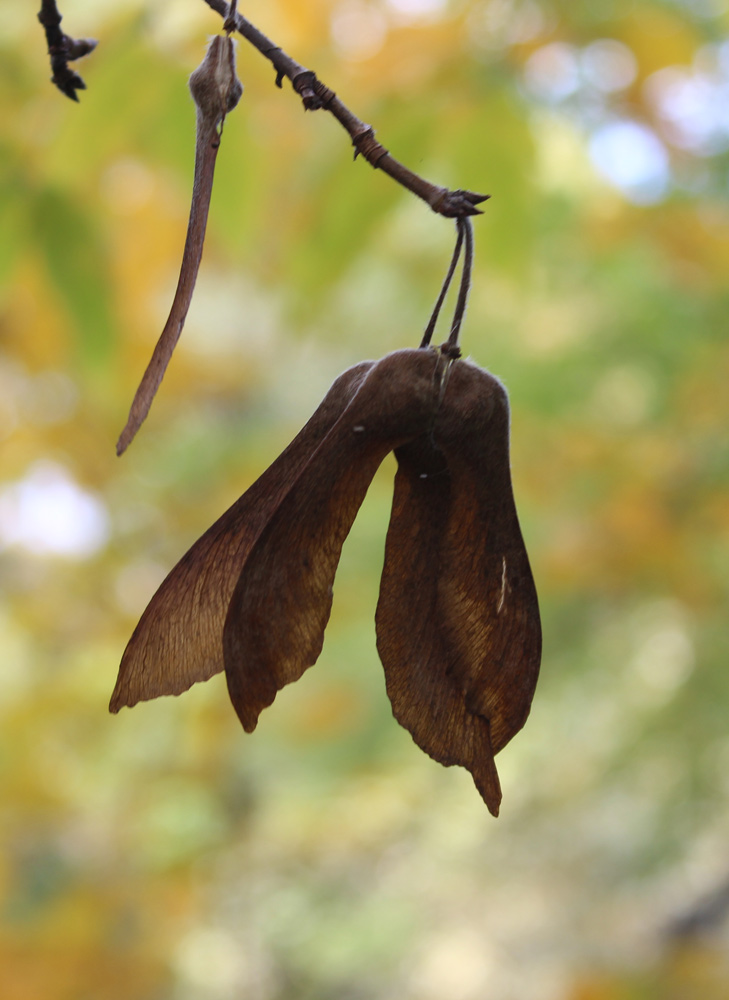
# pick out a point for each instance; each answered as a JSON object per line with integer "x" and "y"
{"x": 315, "y": 95}
{"x": 63, "y": 49}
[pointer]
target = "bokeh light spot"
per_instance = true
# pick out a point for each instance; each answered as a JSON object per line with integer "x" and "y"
{"x": 49, "y": 514}
{"x": 633, "y": 159}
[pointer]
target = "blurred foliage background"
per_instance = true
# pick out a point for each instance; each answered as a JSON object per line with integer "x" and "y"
{"x": 164, "y": 855}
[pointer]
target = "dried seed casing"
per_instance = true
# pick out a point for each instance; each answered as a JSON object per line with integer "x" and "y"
{"x": 179, "y": 639}
{"x": 458, "y": 628}
{"x": 491, "y": 597}
{"x": 279, "y": 609}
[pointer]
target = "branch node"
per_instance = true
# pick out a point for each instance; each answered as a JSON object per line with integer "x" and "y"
{"x": 304, "y": 83}
{"x": 325, "y": 95}
{"x": 457, "y": 204}
{"x": 364, "y": 143}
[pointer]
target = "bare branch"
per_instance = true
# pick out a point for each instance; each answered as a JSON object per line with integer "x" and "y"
{"x": 63, "y": 49}
{"x": 315, "y": 96}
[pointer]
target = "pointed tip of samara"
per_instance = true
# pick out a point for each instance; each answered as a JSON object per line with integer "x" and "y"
{"x": 491, "y": 794}
{"x": 486, "y": 780}
{"x": 124, "y": 695}
{"x": 246, "y": 706}
{"x": 119, "y": 701}
{"x": 247, "y": 716}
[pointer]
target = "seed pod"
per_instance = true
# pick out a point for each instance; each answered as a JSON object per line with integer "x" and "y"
{"x": 485, "y": 559}
{"x": 179, "y": 639}
{"x": 458, "y": 627}
{"x": 277, "y": 615}
{"x": 216, "y": 90}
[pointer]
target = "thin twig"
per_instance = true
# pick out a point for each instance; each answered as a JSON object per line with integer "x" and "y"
{"x": 63, "y": 49}
{"x": 315, "y": 95}
{"x": 428, "y": 335}
{"x": 466, "y": 230}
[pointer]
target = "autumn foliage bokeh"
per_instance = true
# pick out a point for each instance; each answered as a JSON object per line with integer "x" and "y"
{"x": 165, "y": 854}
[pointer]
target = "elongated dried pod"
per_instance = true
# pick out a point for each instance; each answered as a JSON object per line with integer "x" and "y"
{"x": 277, "y": 615}
{"x": 484, "y": 545}
{"x": 458, "y": 628}
{"x": 179, "y": 639}
{"x": 216, "y": 90}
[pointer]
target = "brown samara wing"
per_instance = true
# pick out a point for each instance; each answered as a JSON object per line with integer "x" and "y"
{"x": 179, "y": 639}
{"x": 487, "y": 592}
{"x": 414, "y": 649}
{"x": 277, "y": 615}
{"x": 457, "y": 621}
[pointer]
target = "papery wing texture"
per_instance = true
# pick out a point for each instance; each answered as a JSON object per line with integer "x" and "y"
{"x": 458, "y": 628}
{"x": 179, "y": 639}
{"x": 280, "y": 607}
{"x": 488, "y": 590}
{"x": 427, "y": 699}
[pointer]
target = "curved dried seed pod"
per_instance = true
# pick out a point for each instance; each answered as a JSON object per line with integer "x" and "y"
{"x": 484, "y": 559}
{"x": 275, "y": 624}
{"x": 179, "y": 639}
{"x": 414, "y": 649}
{"x": 216, "y": 90}
{"x": 457, "y": 621}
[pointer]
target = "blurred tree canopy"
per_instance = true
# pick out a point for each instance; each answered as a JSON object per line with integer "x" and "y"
{"x": 164, "y": 854}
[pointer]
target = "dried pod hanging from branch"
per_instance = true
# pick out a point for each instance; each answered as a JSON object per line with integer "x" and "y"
{"x": 216, "y": 90}
{"x": 457, "y": 620}
{"x": 458, "y": 627}
{"x": 179, "y": 639}
{"x": 275, "y": 625}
